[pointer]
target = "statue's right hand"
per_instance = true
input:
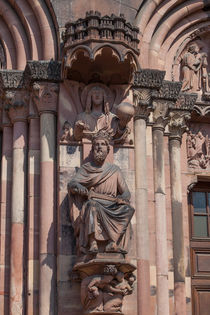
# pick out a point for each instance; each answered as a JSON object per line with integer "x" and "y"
{"x": 81, "y": 190}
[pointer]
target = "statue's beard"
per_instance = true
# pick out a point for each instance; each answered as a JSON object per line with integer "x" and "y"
{"x": 100, "y": 156}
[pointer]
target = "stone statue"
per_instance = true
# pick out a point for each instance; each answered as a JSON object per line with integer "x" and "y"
{"x": 197, "y": 150}
{"x": 102, "y": 198}
{"x": 97, "y": 116}
{"x": 194, "y": 70}
{"x": 105, "y": 293}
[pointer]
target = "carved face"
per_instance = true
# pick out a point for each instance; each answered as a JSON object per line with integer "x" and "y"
{"x": 100, "y": 150}
{"x": 97, "y": 96}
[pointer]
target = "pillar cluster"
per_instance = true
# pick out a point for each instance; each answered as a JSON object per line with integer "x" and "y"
{"x": 169, "y": 110}
{"x": 28, "y": 188}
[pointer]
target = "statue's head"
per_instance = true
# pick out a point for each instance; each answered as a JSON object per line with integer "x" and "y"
{"x": 97, "y": 96}
{"x": 100, "y": 146}
{"x": 193, "y": 48}
{"x": 110, "y": 270}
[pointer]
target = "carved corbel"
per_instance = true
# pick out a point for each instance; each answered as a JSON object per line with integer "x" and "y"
{"x": 45, "y": 96}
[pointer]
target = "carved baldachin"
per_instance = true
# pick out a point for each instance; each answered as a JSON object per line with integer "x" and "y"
{"x": 98, "y": 28}
{"x": 148, "y": 78}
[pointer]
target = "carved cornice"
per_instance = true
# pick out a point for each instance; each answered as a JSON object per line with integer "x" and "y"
{"x": 168, "y": 91}
{"x": 43, "y": 71}
{"x": 142, "y": 103}
{"x": 185, "y": 101}
{"x": 148, "y": 78}
{"x": 11, "y": 79}
{"x": 97, "y": 28}
{"x": 45, "y": 96}
{"x": 178, "y": 124}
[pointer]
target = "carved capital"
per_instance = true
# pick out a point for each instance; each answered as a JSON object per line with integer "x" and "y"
{"x": 43, "y": 71}
{"x": 45, "y": 96}
{"x": 160, "y": 115}
{"x": 16, "y": 104}
{"x": 142, "y": 103}
{"x": 178, "y": 124}
{"x": 148, "y": 78}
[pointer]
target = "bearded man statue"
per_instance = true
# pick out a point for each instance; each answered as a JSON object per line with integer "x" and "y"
{"x": 104, "y": 214}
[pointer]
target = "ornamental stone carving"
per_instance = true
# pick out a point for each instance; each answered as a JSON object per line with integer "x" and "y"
{"x": 197, "y": 150}
{"x": 97, "y": 115}
{"x": 194, "y": 68}
{"x": 45, "y": 95}
{"x": 104, "y": 293}
{"x": 148, "y": 78}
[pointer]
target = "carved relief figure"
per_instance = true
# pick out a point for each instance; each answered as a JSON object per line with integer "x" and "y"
{"x": 105, "y": 293}
{"x": 104, "y": 211}
{"x": 97, "y": 116}
{"x": 197, "y": 150}
{"x": 67, "y": 135}
{"x": 194, "y": 70}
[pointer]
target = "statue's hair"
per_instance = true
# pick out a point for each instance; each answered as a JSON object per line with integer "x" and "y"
{"x": 89, "y": 100}
{"x": 110, "y": 270}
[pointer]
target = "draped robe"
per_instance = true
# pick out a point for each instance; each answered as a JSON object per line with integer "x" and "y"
{"x": 108, "y": 220}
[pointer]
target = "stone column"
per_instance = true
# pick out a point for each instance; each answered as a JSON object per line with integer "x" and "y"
{"x": 167, "y": 94}
{"x": 177, "y": 126}
{"x": 46, "y": 101}
{"x": 33, "y": 210}
{"x": 5, "y": 210}
{"x": 18, "y": 111}
{"x": 142, "y": 102}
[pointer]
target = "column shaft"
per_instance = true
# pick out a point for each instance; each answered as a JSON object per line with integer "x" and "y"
{"x": 143, "y": 270}
{"x": 161, "y": 233}
{"x": 33, "y": 216}
{"x": 17, "y": 285}
{"x": 177, "y": 225}
{"x": 5, "y": 220}
{"x": 47, "y": 284}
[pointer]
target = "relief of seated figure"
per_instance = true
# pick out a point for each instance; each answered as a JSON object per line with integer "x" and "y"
{"x": 105, "y": 212}
{"x": 97, "y": 116}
